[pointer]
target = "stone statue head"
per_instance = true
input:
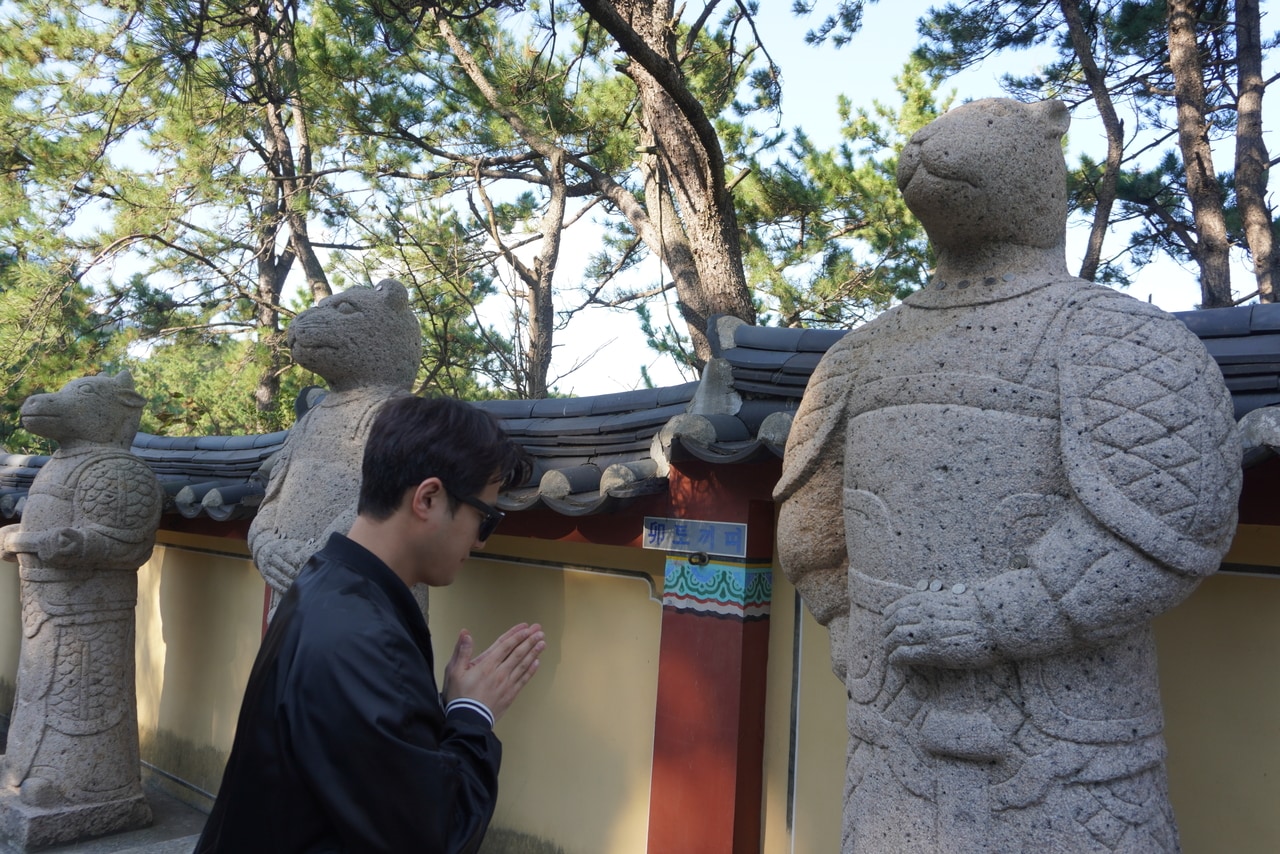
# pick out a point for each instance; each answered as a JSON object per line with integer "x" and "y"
{"x": 99, "y": 409}
{"x": 360, "y": 337}
{"x": 990, "y": 171}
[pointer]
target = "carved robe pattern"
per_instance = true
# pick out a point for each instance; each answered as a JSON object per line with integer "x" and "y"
{"x": 1076, "y": 474}
{"x": 74, "y": 729}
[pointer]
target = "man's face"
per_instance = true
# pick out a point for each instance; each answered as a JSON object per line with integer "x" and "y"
{"x": 454, "y": 535}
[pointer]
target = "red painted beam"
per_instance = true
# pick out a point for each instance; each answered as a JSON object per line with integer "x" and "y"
{"x": 706, "y": 792}
{"x": 708, "y": 746}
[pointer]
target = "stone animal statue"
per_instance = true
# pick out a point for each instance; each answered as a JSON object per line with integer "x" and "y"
{"x": 1260, "y": 433}
{"x": 366, "y": 343}
{"x": 89, "y": 522}
{"x": 988, "y": 493}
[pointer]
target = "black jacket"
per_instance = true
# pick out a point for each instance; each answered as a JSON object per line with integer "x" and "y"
{"x": 342, "y": 742}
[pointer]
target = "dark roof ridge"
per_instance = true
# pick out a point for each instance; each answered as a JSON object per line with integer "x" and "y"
{"x": 594, "y": 454}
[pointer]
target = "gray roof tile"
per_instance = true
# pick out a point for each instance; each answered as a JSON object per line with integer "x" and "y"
{"x": 579, "y": 439}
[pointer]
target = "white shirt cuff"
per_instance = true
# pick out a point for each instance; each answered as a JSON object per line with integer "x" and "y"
{"x": 473, "y": 705}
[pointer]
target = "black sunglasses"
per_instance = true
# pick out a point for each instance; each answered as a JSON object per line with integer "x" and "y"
{"x": 492, "y": 516}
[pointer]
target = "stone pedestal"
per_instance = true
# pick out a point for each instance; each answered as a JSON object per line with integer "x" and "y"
{"x": 31, "y": 828}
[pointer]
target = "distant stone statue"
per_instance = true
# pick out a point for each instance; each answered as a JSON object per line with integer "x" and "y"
{"x": 366, "y": 343}
{"x": 988, "y": 493}
{"x": 1260, "y": 432}
{"x": 72, "y": 769}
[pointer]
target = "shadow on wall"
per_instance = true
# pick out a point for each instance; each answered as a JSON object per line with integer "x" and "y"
{"x": 10, "y": 641}
{"x": 199, "y": 624}
{"x": 500, "y": 841}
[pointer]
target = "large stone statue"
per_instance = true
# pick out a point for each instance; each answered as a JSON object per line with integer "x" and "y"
{"x": 72, "y": 770}
{"x": 989, "y": 492}
{"x": 366, "y": 343}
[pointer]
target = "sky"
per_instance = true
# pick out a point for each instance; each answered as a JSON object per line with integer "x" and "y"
{"x": 812, "y": 81}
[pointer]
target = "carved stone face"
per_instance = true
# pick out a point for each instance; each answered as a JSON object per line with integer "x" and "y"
{"x": 100, "y": 409}
{"x": 989, "y": 171}
{"x": 362, "y": 336}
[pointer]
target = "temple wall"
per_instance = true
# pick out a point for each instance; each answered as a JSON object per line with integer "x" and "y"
{"x": 577, "y": 745}
{"x": 199, "y": 621}
{"x": 579, "y": 741}
{"x": 804, "y": 720}
{"x": 1221, "y": 689}
{"x": 10, "y": 636}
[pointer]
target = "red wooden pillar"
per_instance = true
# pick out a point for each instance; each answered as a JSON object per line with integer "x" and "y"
{"x": 708, "y": 749}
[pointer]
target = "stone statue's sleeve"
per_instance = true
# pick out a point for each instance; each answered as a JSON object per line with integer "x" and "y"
{"x": 1152, "y": 458}
{"x": 346, "y": 516}
{"x": 811, "y": 539}
{"x": 271, "y": 495}
{"x": 276, "y": 557}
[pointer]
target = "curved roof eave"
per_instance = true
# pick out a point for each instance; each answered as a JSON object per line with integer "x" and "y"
{"x": 596, "y": 454}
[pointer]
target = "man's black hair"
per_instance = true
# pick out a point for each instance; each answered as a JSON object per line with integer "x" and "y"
{"x": 415, "y": 438}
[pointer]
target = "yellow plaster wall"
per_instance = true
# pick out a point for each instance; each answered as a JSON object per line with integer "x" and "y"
{"x": 578, "y": 743}
{"x": 802, "y": 798}
{"x": 10, "y": 633}
{"x": 199, "y": 622}
{"x": 1221, "y": 689}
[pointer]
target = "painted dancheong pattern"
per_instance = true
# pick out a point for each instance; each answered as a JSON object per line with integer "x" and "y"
{"x": 718, "y": 588}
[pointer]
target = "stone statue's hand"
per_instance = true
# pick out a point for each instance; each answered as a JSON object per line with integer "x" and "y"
{"x": 60, "y": 545}
{"x": 279, "y": 562}
{"x": 945, "y": 629}
{"x": 9, "y": 542}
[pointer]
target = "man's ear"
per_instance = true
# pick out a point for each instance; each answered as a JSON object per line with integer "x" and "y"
{"x": 426, "y": 497}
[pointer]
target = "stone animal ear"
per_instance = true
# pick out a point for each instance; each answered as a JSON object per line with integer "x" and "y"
{"x": 1054, "y": 114}
{"x": 394, "y": 293}
{"x": 125, "y": 393}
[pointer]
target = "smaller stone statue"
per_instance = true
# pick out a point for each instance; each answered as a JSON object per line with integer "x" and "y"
{"x": 366, "y": 343}
{"x": 72, "y": 769}
{"x": 1260, "y": 433}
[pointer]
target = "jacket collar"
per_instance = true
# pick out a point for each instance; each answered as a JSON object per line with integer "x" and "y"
{"x": 365, "y": 563}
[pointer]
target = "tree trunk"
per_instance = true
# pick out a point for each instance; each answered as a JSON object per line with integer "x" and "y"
{"x": 692, "y": 158}
{"x": 541, "y": 284}
{"x": 1105, "y": 192}
{"x": 672, "y": 246}
{"x": 1251, "y": 151}
{"x": 270, "y": 279}
{"x": 278, "y": 73}
{"x": 1203, "y": 189}
{"x": 270, "y": 271}
{"x": 706, "y": 258}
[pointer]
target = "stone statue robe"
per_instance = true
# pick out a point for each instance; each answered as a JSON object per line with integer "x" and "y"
{"x": 71, "y": 769}
{"x": 1054, "y": 464}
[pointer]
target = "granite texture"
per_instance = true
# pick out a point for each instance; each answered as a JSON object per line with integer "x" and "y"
{"x": 71, "y": 770}
{"x": 988, "y": 493}
{"x": 1260, "y": 431}
{"x": 366, "y": 344}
